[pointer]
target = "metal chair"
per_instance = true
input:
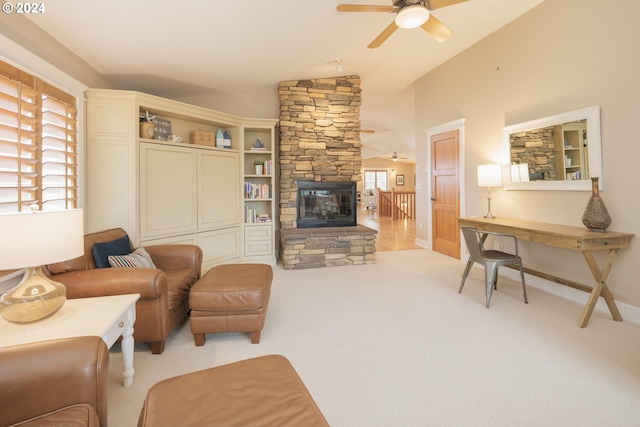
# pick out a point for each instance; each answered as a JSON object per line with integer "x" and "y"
{"x": 491, "y": 260}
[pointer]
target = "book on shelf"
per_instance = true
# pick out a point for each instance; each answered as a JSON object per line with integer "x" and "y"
{"x": 251, "y": 216}
{"x": 267, "y": 167}
{"x": 253, "y": 191}
{"x": 263, "y": 218}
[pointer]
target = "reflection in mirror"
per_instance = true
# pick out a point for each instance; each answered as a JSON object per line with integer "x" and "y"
{"x": 559, "y": 152}
{"x": 552, "y": 153}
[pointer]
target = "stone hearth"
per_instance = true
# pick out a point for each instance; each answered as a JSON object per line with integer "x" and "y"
{"x": 327, "y": 247}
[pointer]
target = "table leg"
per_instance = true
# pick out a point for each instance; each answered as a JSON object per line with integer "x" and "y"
{"x": 600, "y": 287}
{"x": 127, "y": 348}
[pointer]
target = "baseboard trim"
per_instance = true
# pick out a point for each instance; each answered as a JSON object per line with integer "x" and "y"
{"x": 423, "y": 243}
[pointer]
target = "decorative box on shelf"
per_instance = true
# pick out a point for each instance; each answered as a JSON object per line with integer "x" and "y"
{"x": 201, "y": 137}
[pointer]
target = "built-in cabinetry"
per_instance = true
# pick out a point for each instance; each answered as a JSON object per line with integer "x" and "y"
{"x": 258, "y": 197}
{"x": 172, "y": 192}
{"x": 572, "y": 159}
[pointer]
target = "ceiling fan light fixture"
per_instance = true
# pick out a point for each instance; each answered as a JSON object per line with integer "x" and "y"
{"x": 412, "y": 16}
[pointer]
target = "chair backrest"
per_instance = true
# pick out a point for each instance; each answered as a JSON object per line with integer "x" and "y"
{"x": 473, "y": 244}
{"x": 86, "y": 261}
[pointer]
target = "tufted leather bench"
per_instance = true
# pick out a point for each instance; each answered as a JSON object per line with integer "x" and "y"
{"x": 230, "y": 298}
{"x": 263, "y": 391}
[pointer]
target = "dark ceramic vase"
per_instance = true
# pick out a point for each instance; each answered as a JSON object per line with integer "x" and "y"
{"x": 595, "y": 216}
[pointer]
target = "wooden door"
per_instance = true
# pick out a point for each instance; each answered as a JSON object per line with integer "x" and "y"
{"x": 445, "y": 193}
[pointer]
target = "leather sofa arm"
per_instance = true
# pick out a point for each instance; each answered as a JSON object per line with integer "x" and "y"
{"x": 150, "y": 283}
{"x": 176, "y": 257}
{"x": 42, "y": 377}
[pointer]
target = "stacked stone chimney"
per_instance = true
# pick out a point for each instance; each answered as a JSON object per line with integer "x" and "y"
{"x": 319, "y": 136}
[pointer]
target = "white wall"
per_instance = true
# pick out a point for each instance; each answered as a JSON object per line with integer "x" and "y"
{"x": 29, "y": 36}
{"x": 561, "y": 56}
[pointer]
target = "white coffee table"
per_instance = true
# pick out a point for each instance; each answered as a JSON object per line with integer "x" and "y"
{"x": 107, "y": 317}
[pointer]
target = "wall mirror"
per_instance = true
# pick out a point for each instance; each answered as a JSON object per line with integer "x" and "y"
{"x": 559, "y": 152}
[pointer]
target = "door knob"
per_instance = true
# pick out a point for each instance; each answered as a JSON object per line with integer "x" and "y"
{"x": 433, "y": 199}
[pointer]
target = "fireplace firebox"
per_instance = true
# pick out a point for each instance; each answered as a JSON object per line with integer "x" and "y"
{"x": 326, "y": 204}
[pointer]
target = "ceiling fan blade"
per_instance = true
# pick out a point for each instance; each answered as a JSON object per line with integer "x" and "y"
{"x": 384, "y": 35}
{"x": 437, "y": 4}
{"x": 363, "y": 8}
{"x": 437, "y": 29}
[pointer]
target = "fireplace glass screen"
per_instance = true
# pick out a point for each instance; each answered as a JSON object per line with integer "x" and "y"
{"x": 322, "y": 204}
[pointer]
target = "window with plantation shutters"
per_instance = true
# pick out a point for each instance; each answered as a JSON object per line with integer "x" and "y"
{"x": 38, "y": 144}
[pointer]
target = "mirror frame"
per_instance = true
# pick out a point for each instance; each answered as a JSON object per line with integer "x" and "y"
{"x": 594, "y": 148}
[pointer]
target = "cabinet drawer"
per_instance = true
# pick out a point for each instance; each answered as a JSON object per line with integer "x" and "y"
{"x": 258, "y": 232}
{"x": 117, "y": 327}
{"x": 258, "y": 247}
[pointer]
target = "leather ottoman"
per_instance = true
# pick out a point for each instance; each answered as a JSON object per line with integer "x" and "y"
{"x": 263, "y": 391}
{"x": 230, "y": 298}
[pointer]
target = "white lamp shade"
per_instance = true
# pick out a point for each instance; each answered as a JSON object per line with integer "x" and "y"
{"x": 412, "y": 16}
{"x": 32, "y": 239}
{"x": 489, "y": 175}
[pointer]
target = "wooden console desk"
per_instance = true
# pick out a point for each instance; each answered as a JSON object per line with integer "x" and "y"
{"x": 563, "y": 236}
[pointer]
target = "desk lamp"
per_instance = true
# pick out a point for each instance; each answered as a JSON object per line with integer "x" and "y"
{"x": 489, "y": 176}
{"x": 32, "y": 239}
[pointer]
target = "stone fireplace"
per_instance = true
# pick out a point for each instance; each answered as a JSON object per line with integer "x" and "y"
{"x": 320, "y": 142}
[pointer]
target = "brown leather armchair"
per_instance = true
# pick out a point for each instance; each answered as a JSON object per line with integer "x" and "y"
{"x": 54, "y": 383}
{"x": 164, "y": 291}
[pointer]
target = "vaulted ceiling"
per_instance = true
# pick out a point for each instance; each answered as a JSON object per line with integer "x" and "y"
{"x": 184, "y": 48}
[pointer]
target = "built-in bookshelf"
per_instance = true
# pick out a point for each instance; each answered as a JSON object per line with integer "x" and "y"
{"x": 258, "y": 196}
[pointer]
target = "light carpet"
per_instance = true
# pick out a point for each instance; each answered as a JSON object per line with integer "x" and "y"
{"x": 394, "y": 344}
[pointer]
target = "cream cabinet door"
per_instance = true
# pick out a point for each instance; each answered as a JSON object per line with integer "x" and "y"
{"x": 168, "y": 192}
{"x": 219, "y": 246}
{"x": 218, "y": 189}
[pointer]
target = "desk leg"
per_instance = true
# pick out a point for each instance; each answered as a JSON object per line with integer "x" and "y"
{"x": 127, "y": 348}
{"x": 600, "y": 287}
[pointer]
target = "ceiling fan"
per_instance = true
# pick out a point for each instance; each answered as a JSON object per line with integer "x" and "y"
{"x": 395, "y": 157}
{"x": 409, "y": 14}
